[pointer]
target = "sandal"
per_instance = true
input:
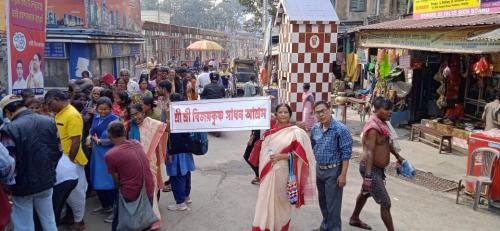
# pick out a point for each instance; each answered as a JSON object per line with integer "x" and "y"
{"x": 360, "y": 225}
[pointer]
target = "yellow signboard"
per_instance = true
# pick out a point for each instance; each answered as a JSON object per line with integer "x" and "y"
{"x": 2, "y": 16}
{"x": 425, "y": 6}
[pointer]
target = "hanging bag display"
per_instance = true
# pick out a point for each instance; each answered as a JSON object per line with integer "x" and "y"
{"x": 293, "y": 192}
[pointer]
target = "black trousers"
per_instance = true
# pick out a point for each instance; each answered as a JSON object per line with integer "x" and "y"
{"x": 59, "y": 197}
{"x": 248, "y": 151}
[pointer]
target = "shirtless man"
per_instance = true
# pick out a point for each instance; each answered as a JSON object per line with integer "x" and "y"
{"x": 377, "y": 148}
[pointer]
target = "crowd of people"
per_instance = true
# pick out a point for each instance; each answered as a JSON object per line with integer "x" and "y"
{"x": 106, "y": 137}
{"x": 110, "y": 138}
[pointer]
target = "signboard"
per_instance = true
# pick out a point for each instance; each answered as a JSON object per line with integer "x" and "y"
{"x": 108, "y": 15}
{"x": 66, "y": 13}
{"x": 405, "y": 61}
{"x": 232, "y": 114}
{"x": 362, "y": 56}
{"x": 423, "y": 9}
{"x": 26, "y": 44}
{"x": 2, "y": 16}
{"x": 454, "y": 41}
{"x": 55, "y": 50}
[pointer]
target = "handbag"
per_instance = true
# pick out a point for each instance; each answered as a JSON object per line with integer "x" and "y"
{"x": 293, "y": 192}
{"x": 138, "y": 214}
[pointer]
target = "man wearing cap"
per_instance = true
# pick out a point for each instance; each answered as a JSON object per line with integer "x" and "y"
{"x": 33, "y": 141}
{"x": 70, "y": 126}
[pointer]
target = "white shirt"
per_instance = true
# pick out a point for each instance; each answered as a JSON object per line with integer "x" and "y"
{"x": 38, "y": 80}
{"x": 20, "y": 84}
{"x": 202, "y": 81}
{"x": 133, "y": 87}
{"x": 65, "y": 170}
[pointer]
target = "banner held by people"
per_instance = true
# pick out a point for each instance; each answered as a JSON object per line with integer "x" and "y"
{"x": 231, "y": 114}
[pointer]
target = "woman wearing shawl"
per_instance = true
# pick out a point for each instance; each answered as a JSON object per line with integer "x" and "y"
{"x": 271, "y": 154}
{"x": 151, "y": 133}
{"x": 101, "y": 180}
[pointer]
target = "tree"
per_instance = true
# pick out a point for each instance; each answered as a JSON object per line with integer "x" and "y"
{"x": 149, "y": 4}
{"x": 255, "y": 9}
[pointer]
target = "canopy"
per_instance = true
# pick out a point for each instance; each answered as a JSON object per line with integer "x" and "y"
{"x": 493, "y": 35}
{"x": 205, "y": 45}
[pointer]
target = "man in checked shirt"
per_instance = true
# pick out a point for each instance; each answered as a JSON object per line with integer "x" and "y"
{"x": 332, "y": 144}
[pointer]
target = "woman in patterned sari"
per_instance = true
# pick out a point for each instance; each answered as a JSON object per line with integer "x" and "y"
{"x": 151, "y": 133}
{"x": 271, "y": 155}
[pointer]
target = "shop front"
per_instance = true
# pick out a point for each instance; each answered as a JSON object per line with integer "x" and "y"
{"x": 67, "y": 59}
{"x": 450, "y": 77}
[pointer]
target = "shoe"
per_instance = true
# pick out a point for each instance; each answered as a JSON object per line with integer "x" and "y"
{"x": 188, "y": 200}
{"x": 177, "y": 207}
{"x": 78, "y": 226}
{"x": 255, "y": 181}
{"x": 167, "y": 188}
{"x": 109, "y": 219}
{"x": 101, "y": 210}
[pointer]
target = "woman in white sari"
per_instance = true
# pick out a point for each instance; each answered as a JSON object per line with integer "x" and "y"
{"x": 271, "y": 155}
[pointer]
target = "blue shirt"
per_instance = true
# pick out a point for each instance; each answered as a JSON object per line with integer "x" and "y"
{"x": 333, "y": 145}
{"x": 182, "y": 163}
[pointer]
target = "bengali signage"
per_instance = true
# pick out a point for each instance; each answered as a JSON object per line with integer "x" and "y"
{"x": 231, "y": 114}
{"x": 453, "y": 41}
{"x": 117, "y": 50}
{"x": 362, "y": 55}
{"x": 26, "y": 44}
{"x": 423, "y": 9}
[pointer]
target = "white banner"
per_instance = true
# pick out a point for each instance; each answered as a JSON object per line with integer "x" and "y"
{"x": 231, "y": 114}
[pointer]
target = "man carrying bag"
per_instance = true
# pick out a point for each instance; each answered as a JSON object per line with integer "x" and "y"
{"x": 128, "y": 164}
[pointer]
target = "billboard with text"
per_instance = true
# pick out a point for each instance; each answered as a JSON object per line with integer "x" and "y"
{"x": 26, "y": 44}
{"x": 423, "y": 9}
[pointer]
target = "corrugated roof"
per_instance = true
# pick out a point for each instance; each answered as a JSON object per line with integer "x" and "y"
{"x": 493, "y": 35}
{"x": 307, "y": 10}
{"x": 403, "y": 24}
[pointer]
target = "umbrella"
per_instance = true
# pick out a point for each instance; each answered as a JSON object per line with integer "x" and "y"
{"x": 205, "y": 45}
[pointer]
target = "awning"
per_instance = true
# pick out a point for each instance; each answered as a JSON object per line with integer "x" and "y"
{"x": 493, "y": 35}
{"x": 445, "y": 35}
{"x": 411, "y": 24}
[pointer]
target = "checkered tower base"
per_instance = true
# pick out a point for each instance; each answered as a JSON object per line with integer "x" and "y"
{"x": 303, "y": 61}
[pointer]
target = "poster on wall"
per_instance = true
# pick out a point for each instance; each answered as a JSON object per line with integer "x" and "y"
{"x": 424, "y": 9}
{"x": 26, "y": 45}
{"x": 65, "y": 14}
{"x": 79, "y": 60}
{"x": 122, "y": 15}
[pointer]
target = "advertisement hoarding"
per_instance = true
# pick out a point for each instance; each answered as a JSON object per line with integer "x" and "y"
{"x": 26, "y": 44}
{"x": 424, "y": 9}
{"x": 230, "y": 114}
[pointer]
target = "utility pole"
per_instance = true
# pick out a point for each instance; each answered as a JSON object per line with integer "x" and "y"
{"x": 264, "y": 16}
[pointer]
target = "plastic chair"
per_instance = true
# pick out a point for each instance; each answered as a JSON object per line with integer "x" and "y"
{"x": 487, "y": 158}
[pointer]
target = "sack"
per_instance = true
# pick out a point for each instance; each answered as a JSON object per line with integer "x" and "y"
{"x": 198, "y": 143}
{"x": 293, "y": 192}
{"x": 136, "y": 215}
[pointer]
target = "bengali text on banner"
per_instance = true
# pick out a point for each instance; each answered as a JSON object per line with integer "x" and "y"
{"x": 232, "y": 114}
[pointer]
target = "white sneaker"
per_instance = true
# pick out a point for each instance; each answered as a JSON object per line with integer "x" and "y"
{"x": 177, "y": 207}
{"x": 188, "y": 200}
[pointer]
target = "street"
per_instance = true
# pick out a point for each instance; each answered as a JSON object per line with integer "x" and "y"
{"x": 224, "y": 199}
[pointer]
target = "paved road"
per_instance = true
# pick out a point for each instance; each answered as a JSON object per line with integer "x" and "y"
{"x": 224, "y": 200}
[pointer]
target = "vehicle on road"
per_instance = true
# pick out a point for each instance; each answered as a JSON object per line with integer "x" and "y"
{"x": 242, "y": 70}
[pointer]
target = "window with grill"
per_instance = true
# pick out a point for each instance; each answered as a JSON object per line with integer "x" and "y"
{"x": 357, "y": 5}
